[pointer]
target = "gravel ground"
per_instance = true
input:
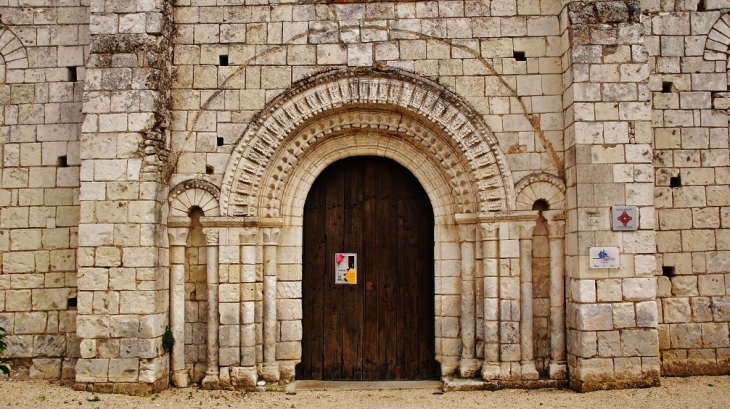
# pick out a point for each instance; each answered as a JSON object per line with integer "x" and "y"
{"x": 693, "y": 392}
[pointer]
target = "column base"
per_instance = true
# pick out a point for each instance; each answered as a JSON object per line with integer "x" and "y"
{"x": 180, "y": 378}
{"x": 449, "y": 367}
{"x": 245, "y": 377}
{"x": 529, "y": 371}
{"x": 558, "y": 370}
{"x": 225, "y": 377}
{"x": 211, "y": 381}
{"x": 490, "y": 371}
{"x": 270, "y": 372}
{"x": 469, "y": 368}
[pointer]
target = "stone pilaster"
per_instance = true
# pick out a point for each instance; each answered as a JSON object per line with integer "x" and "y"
{"x": 123, "y": 182}
{"x": 490, "y": 253}
{"x": 248, "y": 298}
{"x": 608, "y": 150}
{"x": 178, "y": 240}
{"x": 211, "y": 380}
{"x": 468, "y": 365}
{"x": 526, "y": 311}
{"x": 270, "y": 368}
{"x": 556, "y": 232}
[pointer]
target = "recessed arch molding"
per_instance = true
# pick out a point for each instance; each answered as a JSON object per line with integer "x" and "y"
{"x": 419, "y": 100}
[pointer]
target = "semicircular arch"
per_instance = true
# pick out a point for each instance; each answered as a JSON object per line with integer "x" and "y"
{"x": 194, "y": 193}
{"x": 486, "y": 182}
{"x": 540, "y": 186}
{"x": 13, "y": 53}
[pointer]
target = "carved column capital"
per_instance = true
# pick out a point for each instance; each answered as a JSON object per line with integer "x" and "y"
{"x": 248, "y": 237}
{"x": 489, "y": 231}
{"x": 270, "y": 235}
{"x": 467, "y": 232}
{"x": 525, "y": 228}
{"x": 555, "y": 223}
{"x": 211, "y": 235}
{"x": 178, "y": 235}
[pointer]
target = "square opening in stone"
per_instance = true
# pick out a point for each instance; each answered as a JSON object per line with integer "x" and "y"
{"x": 73, "y": 75}
{"x": 62, "y": 162}
{"x": 675, "y": 181}
{"x": 209, "y": 170}
{"x": 219, "y": 141}
{"x": 520, "y": 56}
{"x": 668, "y": 87}
{"x": 223, "y": 60}
{"x": 668, "y": 271}
{"x": 72, "y": 302}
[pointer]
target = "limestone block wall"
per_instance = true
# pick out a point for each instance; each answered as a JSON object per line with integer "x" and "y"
{"x": 108, "y": 105}
{"x": 501, "y": 57}
{"x": 611, "y": 313}
{"x": 123, "y": 263}
{"x": 43, "y": 45}
{"x": 689, "y": 83}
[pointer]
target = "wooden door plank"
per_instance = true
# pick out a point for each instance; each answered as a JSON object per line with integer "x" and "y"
{"x": 332, "y": 292}
{"x": 386, "y": 216}
{"x": 313, "y": 266}
{"x": 410, "y": 273}
{"x": 428, "y": 367}
{"x": 371, "y": 267}
{"x": 383, "y": 327}
{"x": 352, "y": 300}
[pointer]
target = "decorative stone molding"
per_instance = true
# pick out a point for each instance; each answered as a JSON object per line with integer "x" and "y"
{"x": 390, "y": 128}
{"x": 218, "y": 221}
{"x": 445, "y": 197}
{"x": 13, "y": 53}
{"x": 718, "y": 40}
{"x": 540, "y": 186}
{"x": 429, "y": 102}
{"x": 177, "y": 235}
{"x": 211, "y": 236}
{"x": 194, "y": 192}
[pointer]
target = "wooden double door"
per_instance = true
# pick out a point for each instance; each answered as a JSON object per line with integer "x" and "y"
{"x": 381, "y": 328}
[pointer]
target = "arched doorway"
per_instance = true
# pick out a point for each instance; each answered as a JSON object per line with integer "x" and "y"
{"x": 381, "y": 328}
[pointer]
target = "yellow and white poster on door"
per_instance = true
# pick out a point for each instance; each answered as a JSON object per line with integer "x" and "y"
{"x": 345, "y": 268}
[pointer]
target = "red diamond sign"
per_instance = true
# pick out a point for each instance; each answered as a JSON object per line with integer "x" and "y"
{"x": 624, "y": 218}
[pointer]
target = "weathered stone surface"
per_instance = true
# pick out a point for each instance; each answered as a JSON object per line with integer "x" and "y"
{"x": 111, "y": 141}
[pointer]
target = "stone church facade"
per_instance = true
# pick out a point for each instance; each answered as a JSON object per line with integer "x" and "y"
{"x": 157, "y": 159}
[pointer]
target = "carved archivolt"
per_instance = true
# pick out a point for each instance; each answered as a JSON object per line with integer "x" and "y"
{"x": 367, "y": 143}
{"x": 430, "y": 157}
{"x": 540, "y": 186}
{"x": 191, "y": 193}
{"x": 413, "y": 103}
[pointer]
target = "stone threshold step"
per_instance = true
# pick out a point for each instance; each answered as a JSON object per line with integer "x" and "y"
{"x": 305, "y": 385}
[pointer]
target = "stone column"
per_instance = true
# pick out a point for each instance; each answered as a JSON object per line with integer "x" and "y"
{"x": 469, "y": 365}
{"x": 211, "y": 380}
{"x": 178, "y": 240}
{"x": 270, "y": 369}
{"x": 526, "y": 316}
{"x": 490, "y": 254}
{"x": 556, "y": 231}
{"x": 248, "y": 307}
